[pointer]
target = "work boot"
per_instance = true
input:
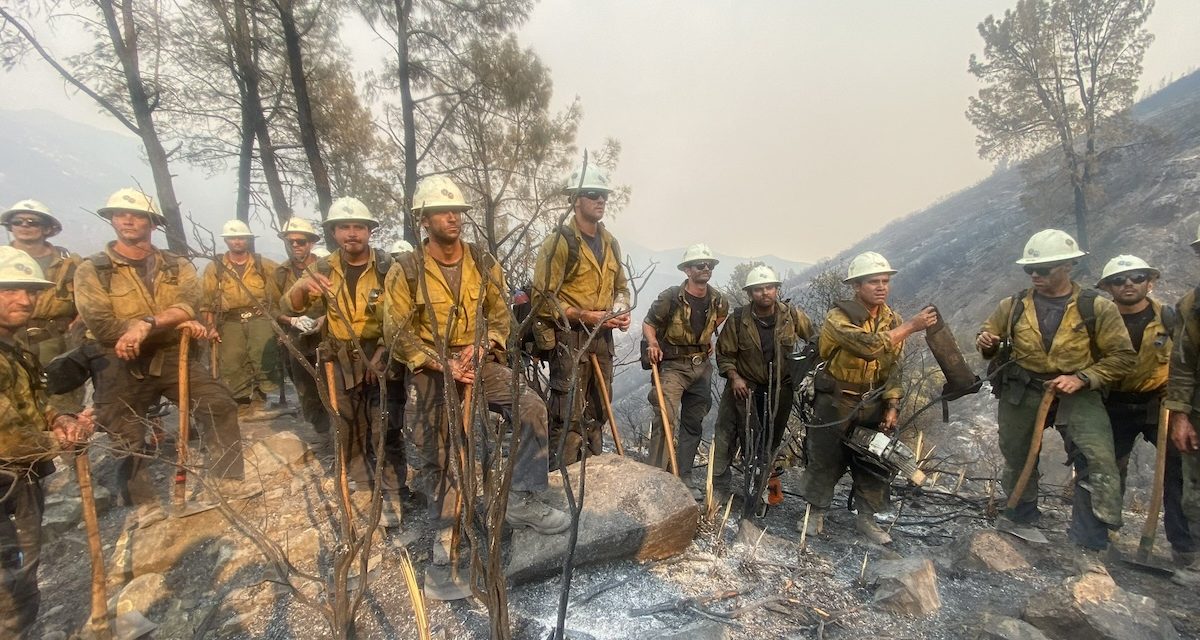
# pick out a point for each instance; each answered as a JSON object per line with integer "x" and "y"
{"x": 1188, "y": 576}
{"x": 1090, "y": 560}
{"x": 390, "y": 510}
{"x": 816, "y": 522}
{"x": 695, "y": 487}
{"x": 1184, "y": 558}
{"x": 870, "y": 530}
{"x": 526, "y": 511}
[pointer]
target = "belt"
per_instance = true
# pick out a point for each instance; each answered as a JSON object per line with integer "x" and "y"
{"x": 696, "y": 357}
{"x": 244, "y": 314}
{"x": 855, "y": 388}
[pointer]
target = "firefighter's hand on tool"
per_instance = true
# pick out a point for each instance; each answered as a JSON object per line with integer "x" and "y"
{"x": 1066, "y": 384}
{"x": 741, "y": 390}
{"x": 1183, "y": 433}
{"x": 129, "y": 345}
{"x": 462, "y": 371}
{"x": 376, "y": 364}
{"x": 69, "y": 430}
{"x": 924, "y": 319}
{"x": 193, "y": 329}
{"x": 618, "y": 322}
{"x": 986, "y": 341}
{"x": 212, "y": 333}
{"x": 654, "y": 352}
{"x": 891, "y": 417}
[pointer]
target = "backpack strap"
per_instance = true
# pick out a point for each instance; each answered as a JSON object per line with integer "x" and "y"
{"x": 1017, "y": 310}
{"x": 1169, "y": 319}
{"x": 104, "y": 269}
{"x": 572, "y": 263}
{"x": 1087, "y": 309}
{"x": 854, "y": 310}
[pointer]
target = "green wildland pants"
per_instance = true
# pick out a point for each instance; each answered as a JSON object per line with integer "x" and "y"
{"x": 249, "y": 356}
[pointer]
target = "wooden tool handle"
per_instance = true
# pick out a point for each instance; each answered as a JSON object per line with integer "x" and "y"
{"x": 1146, "y": 545}
{"x": 668, "y": 434}
{"x": 612, "y": 421}
{"x": 1035, "y": 447}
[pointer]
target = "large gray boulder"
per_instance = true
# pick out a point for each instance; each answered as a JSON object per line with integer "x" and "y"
{"x": 1093, "y": 607}
{"x": 630, "y": 511}
{"x": 985, "y": 550}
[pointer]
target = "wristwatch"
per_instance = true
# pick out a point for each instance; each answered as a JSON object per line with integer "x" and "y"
{"x": 150, "y": 321}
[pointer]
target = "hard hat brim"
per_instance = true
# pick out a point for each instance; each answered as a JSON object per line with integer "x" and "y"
{"x": 284, "y": 234}
{"x": 759, "y": 284}
{"x": 107, "y": 214}
{"x": 441, "y": 208}
{"x": 1048, "y": 259}
{"x": 238, "y": 235}
{"x": 371, "y": 224}
{"x": 34, "y": 284}
{"x": 881, "y": 272}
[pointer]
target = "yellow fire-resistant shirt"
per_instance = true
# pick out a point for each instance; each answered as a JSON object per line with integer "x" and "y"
{"x": 1071, "y": 350}
{"x": 25, "y": 416}
{"x": 1153, "y": 358}
{"x": 346, "y": 316}
{"x": 863, "y": 354}
{"x": 222, "y": 291}
{"x": 677, "y": 329}
{"x": 108, "y": 314}
{"x": 591, "y": 287}
{"x": 59, "y": 300}
{"x": 1182, "y": 387}
{"x": 406, "y": 309}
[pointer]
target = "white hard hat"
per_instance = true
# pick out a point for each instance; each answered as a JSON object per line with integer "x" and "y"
{"x": 1050, "y": 245}
{"x": 696, "y": 253}
{"x": 349, "y": 209}
{"x": 759, "y": 275}
{"x": 438, "y": 193}
{"x": 320, "y": 252}
{"x": 298, "y": 225}
{"x": 19, "y": 271}
{"x": 400, "y": 246}
{"x": 30, "y": 205}
{"x": 236, "y": 229}
{"x": 866, "y": 264}
{"x": 593, "y": 180}
{"x": 135, "y": 200}
{"x": 1124, "y": 264}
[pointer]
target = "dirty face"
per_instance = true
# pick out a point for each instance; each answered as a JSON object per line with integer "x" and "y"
{"x": 16, "y": 305}
{"x": 764, "y": 296}
{"x": 132, "y": 226}
{"x": 590, "y": 204}
{"x": 28, "y": 227}
{"x": 299, "y": 246}
{"x": 1129, "y": 288}
{"x": 443, "y": 227}
{"x": 872, "y": 291}
{"x": 1047, "y": 278}
{"x": 352, "y": 237}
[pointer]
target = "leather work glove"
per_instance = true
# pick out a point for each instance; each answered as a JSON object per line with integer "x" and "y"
{"x": 304, "y": 324}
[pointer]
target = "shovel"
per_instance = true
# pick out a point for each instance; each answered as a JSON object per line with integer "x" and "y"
{"x": 1141, "y": 560}
{"x": 180, "y": 506}
{"x": 1026, "y": 532}
{"x": 668, "y": 435}
{"x": 100, "y": 625}
{"x": 445, "y": 583}
{"x": 612, "y": 421}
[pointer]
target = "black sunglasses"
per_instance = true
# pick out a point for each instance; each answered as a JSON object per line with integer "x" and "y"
{"x": 1121, "y": 278}
{"x": 1042, "y": 271}
{"x": 595, "y": 195}
{"x": 702, "y": 266}
{"x": 25, "y": 222}
{"x": 299, "y": 242}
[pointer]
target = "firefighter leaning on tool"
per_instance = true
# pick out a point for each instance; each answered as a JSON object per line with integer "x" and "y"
{"x": 239, "y": 305}
{"x": 751, "y": 352}
{"x": 1133, "y": 401}
{"x": 47, "y": 334}
{"x": 1067, "y": 340}
{"x": 300, "y": 235}
{"x": 31, "y": 433}
{"x": 861, "y": 344}
{"x": 1183, "y": 400}
{"x": 136, "y": 299}
{"x": 348, "y": 285}
{"x": 679, "y": 331}
{"x": 463, "y": 294}
{"x": 578, "y": 284}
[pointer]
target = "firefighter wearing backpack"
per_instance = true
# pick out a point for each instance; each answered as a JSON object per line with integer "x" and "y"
{"x": 1133, "y": 402}
{"x": 1063, "y": 338}
{"x": 579, "y": 285}
{"x": 862, "y": 344}
{"x": 48, "y": 331}
{"x": 299, "y": 236}
{"x": 1183, "y": 400}
{"x": 679, "y": 331}
{"x": 348, "y": 286}
{"x": 456, "y": 297}
{"x": 136, "y": 300}
{"x": 240, "y": 303}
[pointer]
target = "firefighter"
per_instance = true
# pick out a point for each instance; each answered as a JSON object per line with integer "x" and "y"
{"x": 348, "y": 286}
{"x": 1183, "y": 391}
{"x": 679, "y": 331}
{"x": 463, "y": 291}
{"x": 1133, "y": 401}
{"x": 48, "y": 332}
{"x": 32, "y": 432}
{"x": 861, "y": 385}
{"x": 579, "y": 287}
{"x": 301, "y": 236}
{"x": 239, "y": 305}
{"x": 1062, "y": 338}
{"x": 136, "y": 300}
